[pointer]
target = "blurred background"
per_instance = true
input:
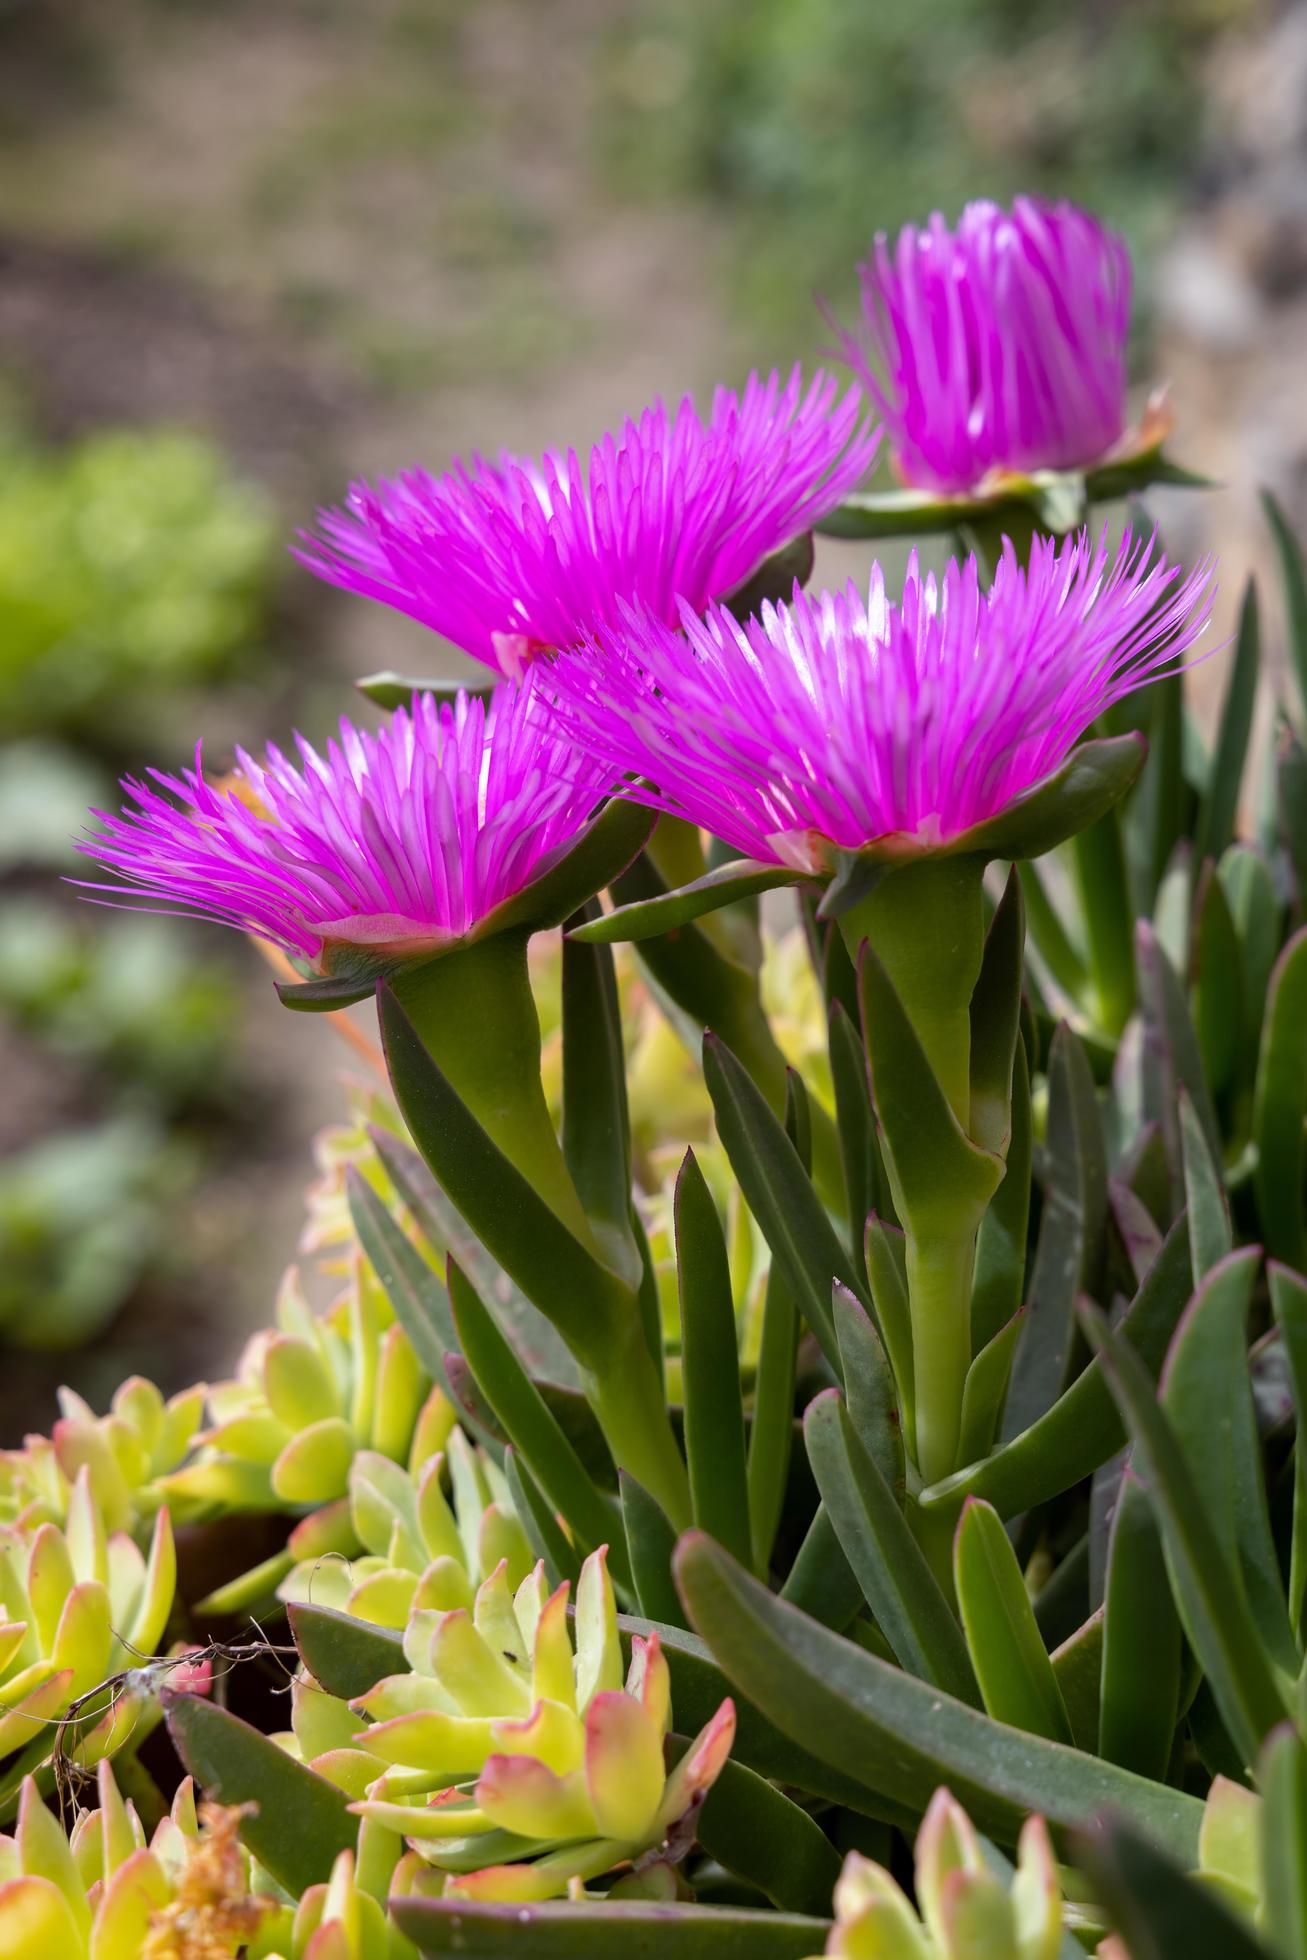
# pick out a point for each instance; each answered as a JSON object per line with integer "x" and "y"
{"x": 250, "y": 248}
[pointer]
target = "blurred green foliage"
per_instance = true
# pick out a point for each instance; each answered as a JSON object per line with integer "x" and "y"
{"x": 130, "y": 562}
{"x": 817, "y": 122}
{"x": 134, "y": 567}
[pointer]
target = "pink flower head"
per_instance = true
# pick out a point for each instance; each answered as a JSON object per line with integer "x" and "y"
{"x": 997, "y": 346}
{"x": 511, "y": 559}
{"x": 399, "y": 841}
{"x": 900, "y": 722}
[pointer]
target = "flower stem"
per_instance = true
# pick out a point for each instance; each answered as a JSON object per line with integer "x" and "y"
{"x": 940, "y": 1273}
{"x": 926, "y": 924}
{"x": 476, "y": 1015}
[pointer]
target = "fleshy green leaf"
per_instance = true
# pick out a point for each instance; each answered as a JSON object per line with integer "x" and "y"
{"x": 1281, "y": 1106}
{"x": 1141, "y": 1642}
{"x": 791, "y": 1216}
{"x": 579, "y": 1295}
{"x": 1218, "y": 810}
{"x": 344, "y": 1655}
{"x": 859, "y": 1149}
{"x": 1169, "y": 1035}
{"x": 1282, "y": 1778}
{"x": 1157, "y": 1909}
{"x": 1208, "y": 1589}
{"x": 531, "y": 1427}
{"x": 1068, "y": 1257}
{"x": 1219, "y": 1009}
{"x": 714, "y": 1414}
{"x": 1210, "y": 1234}
{"x": 890, "y": 1567}
{"x": 869, "y": 1388}
{"x": 548, "y": 1539}
{"x": 897, "y": 1736}
{"x": 1294, "y": 577}
{"x": 771, "y": 1431}
{"x": 1082, "y": 1429}
{"x": 821, "y": 1583}
{"x": 414, "y": 1290}
{"x": 1289, "y": 1307}
{"x": 298, "y": 1823}
{"x": 887, "y": 1276}
{"x": 1108, "y": 917}
{"x": 985, "y": 1390}
{"x": 758, "y": 1833}
{"x": 595, "y": 1929}
{"x": 1208, "y": 1401}
{"x": 652, "y": 1541}
{"x": 1014, "y": 1671}
{"x": 596, "y": 1134}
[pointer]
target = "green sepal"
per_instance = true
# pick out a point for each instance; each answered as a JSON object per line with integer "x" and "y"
{"x": 391, "y": 690}
{"x": 1094, "y": 777}
{"x": 326, "y": 996}
{"x": 648, "y": 918}
{"x": 1056, "y": 501}
{"x": 1009, "y": 1658}
{"x": 890, "y": 1567}
{"x": 999, "y": 1286}
{"x": 297, "y": 1824}
{"x": 598, "y": 855}
{"x": 898, "y": 1737}
{"x": 935, "y": 1168}
{"x": 995, "y": 1019}
{"x": 775, "y": 578}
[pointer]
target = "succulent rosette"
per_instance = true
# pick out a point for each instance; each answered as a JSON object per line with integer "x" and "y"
{"x": 514, "y": 559}
{"x": 518, "y": 1766}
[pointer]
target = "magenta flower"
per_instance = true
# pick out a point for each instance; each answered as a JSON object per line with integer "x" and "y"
{"x": 893, "y": 723}
{"x": 511, "y": 559}
{"x": 999, "y": 346}
{"x": 399, "y": 842}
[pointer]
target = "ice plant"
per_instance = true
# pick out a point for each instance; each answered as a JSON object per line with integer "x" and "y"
{"x": 997, "y": 347}
{"x": 963, "y": 1910}
{"x": 309, "y": 1394}
{"x": 510, "y": 559}
{"x": 505, "y": 1745}
{"x": 886, "y": 750}
{"x": 418, "y": 1549}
